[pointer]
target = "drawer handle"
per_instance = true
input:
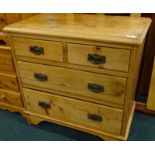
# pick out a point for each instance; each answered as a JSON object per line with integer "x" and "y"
{"x": 95, "y": 88}
{"x": 96, "y": 58}
{"x": 37, "y": 50}
{"x": 40, "y": 77}
{"x": 95, "y": 117}
{"x": 44, "y": 105}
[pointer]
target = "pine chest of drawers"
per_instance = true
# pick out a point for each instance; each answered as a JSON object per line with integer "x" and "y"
{"x": 80, "y": 70}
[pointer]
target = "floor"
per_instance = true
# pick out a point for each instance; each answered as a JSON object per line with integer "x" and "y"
{"x": 13, "y": 127}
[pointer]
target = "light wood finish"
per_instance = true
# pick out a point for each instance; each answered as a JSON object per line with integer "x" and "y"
{"x": 8, "y": 82}
{"x": 8, "y": 18}
{"x": 129, "y": 120}
{"x": 151, "y": 96}
{"x": 3, "y": 40}
{"x": 12, "y": 17}
{"x": 124, "y": 39}
{"x": 6, "y": 63}
{"x": 5, "y": 50}
{"x": 74, "y": 82}
{"x": 129, "y": 30}
{"x": 52, "y": 50}
{"x": 36, "y": 119}
{"x": 12, "y": 108}
{"x": 73, "y": 66}
{"x": 63, "y": 108}
{"x": 136, "y": 55}
{"x": 10, "y": 97}
{"x": 115, "y": 59}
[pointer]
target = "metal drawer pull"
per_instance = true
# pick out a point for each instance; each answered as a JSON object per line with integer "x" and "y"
{"x": 95, "y": 117}
{"x": 95, "y": 88}
{"x": 44, "y": 105}
{"x": 96, "y": 58}
{"x": 37, "y": 50}
{"x": 40, "y": 77}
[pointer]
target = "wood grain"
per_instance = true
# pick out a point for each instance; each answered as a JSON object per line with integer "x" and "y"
{"x": 8, "y": 82}
{"x": 3, "y": 40}
{"x": 127, "y": 30}
{"x": 52, "y": 50}
{"x": 5, "y": 50}
{"x": 37, "y": 118}
{"x": 115, "y": 59}
{"x": 123, "y": 39}
{"x": 74, "y": 82}
{"x": 75, "y": 111}
{"x": 9, "y": 18}
{"x": 6, "y": 63}
{"x": 10, "y": 97}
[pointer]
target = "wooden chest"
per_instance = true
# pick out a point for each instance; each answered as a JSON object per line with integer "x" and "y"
{"x": 80, "y": 70}
{"x": 10, "y": 96}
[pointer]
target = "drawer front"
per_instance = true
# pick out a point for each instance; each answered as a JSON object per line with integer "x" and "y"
{"x": 90, "y": 85}
{"x": 40, "y": 49}
{"x": 8, "y": 82}
{"x": 9, "y": 97}
{"x": 88, "y": 114}
{"x": 100, "y": 57}
{"x": 6, "y": 63}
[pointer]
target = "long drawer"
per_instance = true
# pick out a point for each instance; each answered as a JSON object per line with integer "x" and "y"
{"x": 8, "y": 82}
{"x": 6, "y": 63}
{"x": 39, "y": 49}
{"x": 90, "y": 85}
{"x": 88, "y": 114}
{"x": 98, "y": 56}
{"x": 10, "y": 97}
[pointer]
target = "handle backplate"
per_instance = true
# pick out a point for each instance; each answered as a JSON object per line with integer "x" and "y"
{"x": 44, "y": 105}
{"x": 96, "y": 88}
{"x": 41, "y": 77}
{"x": 96, "y": 58}
{"x": 95, "y": 117}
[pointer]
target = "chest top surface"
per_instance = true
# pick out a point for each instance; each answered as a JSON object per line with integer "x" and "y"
{"x": 99, "y": 27}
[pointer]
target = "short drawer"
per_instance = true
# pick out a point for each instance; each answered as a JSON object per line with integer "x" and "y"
{"x": 74, "y": 111}
{"x": 40, "y": 49}
{"x": 10, "y": 97}
{"x": 8, "y": 82}
{"x": 90, "y": 85}
{"x": 6, "y": 63}
{"x": 98, "y": 56}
